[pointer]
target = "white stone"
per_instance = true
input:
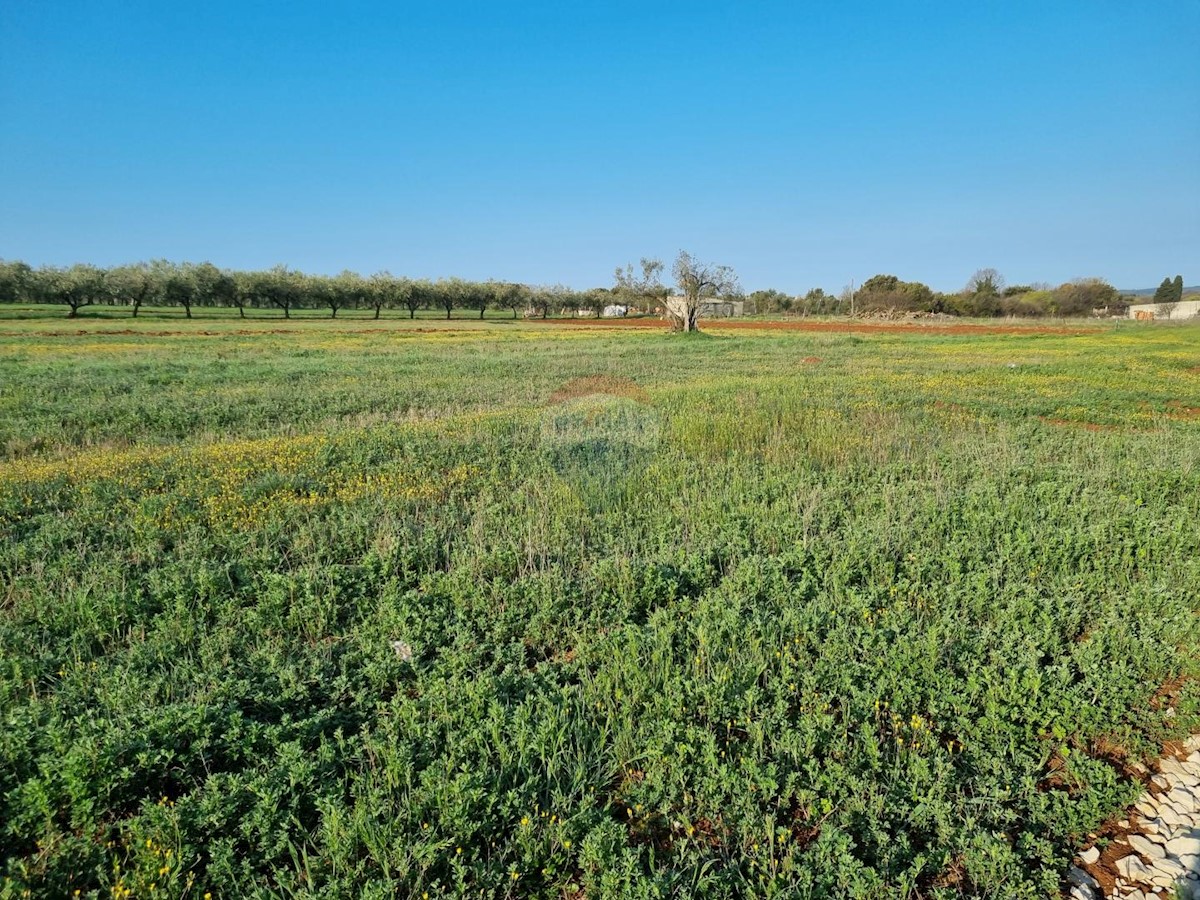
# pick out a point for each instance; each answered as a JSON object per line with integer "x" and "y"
{"x": 1076, "y": 875}
{"x": 1090, "y": 855}
{"x": 1168, "y": 815}
{"x": 1191, "y": 862}
{"x": 1166, "y": 872}
{"x": 1146, "y": 847}
{"x": 1185, "y": 845}
{"x": 1171, "y": 766}
{"x": 1151, "y": 826}
{"x": 1133, "y": 869}
{"x": 1146, "y": 805}
{"x": 1181, "y": 797}
{"x": 1081, "y": 893}
{"x": 1182, "y": 810}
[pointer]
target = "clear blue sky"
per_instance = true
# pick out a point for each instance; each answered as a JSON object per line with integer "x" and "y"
{"x": 803, "y": 144}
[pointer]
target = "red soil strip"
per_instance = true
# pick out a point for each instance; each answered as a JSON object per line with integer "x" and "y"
{"x": 811, "y": 360}
{"x": 1177, "y": 410}
{"x": 837, "y": 327}
{"x": 599, "y": 384}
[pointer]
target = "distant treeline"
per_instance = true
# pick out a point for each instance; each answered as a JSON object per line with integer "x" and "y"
{"x": 189, "y": 286}
{"x": 985, "y": 295}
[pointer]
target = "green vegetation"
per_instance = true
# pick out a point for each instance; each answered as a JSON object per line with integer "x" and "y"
{"x": 286, "y": 292}
{"x": 1170, "y": 291}
{"x": 342, "y": 609}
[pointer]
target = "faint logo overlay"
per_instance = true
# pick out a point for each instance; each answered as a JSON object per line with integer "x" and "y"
{"x": 599, "y": 429}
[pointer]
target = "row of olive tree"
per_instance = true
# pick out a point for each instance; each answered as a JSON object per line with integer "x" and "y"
{"x": 189, "y": 286}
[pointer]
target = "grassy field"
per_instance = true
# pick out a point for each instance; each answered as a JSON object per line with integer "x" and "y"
{"x": 355, "y": 609}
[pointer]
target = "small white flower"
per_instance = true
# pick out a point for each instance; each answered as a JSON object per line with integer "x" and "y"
{"x": 403, "y": 651}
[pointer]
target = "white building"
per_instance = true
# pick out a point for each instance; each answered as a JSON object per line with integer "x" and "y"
{"x": 1184, "y": 309}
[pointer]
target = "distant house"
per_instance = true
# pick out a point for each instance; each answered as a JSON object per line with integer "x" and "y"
{"x": 615, "y": 311}
{"x": 1184, "y": 309}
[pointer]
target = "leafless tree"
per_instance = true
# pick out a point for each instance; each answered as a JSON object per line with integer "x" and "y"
{"x": 643, "y": 289}
{"x": 986, "y": 281}
{"x": 698, "y": 282}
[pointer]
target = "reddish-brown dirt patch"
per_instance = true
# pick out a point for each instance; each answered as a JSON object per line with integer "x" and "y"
{"x": 1177, "y": 410}
{"x": 599, "y": 384}
{"x": 1168, "y": 695}
{"x": 953, "y": 876}
{"x": 1108, "y": 750}
{"x": 1057, "y": 777}
{"x": 837, "y": 327}
{"x": 812, "y": 360}
{"x": 1194, "y": 370}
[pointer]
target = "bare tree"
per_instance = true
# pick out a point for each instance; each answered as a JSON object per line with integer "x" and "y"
{"x": 644, "y": 289}
{"x": 987, "y": 282}
{"x": 698, "y": 282}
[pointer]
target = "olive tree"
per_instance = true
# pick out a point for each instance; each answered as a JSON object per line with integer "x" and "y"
{"x": 180, "y": 290}
{"x": 133, "y": 285}
{"x": 347, "y": 289}
{"x": 541, "y": 298}
{"x": 511, "y": 296}
{"x": 283, "y": 289}
{"x": 451, "y": 293}
{"x": 698, "y": 282}
{"x": 16, "y": 281}
{"x": 77, "y": 287}
{"x": 644, "y": 288}
{"x": 211, "y": 286}
{"x": 418, "y": 295}
{"x": 477, "y": 296}
{"x": 385, "y": 290}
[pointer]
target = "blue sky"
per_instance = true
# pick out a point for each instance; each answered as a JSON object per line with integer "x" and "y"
{"x": 803, "y": 144}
